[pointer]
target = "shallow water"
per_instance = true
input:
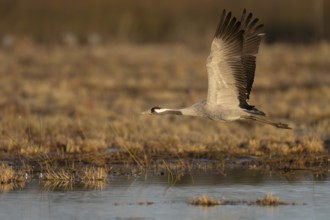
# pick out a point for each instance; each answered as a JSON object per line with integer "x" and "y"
{"x": 167, "y": 197}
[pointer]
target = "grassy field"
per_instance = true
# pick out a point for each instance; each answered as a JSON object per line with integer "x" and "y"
{"x": 69, "y": 106}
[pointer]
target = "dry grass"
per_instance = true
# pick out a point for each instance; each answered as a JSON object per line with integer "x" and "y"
{"x": 10, "y": 179}
{"x": 63, "y": 105}
{"x": 94, "y": 184}
{"x": 270, "y": 200}
{"x": 57, "y": 175}
{"x": 94, "y": 174}
{"x": 53, "y": 184}
{"x": 12, "y": 186}
{"x": 205, "y": 201}
{"x": 65, "y": 177}
{"x": 69, "y": 174}
{"x": 7, "y": 174}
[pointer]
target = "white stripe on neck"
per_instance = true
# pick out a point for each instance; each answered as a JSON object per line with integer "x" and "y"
{"x": 161, "y": 110}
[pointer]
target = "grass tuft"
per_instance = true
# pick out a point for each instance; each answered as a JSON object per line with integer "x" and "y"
{"x": 10, "y": 179}
{"x": 270, "y": 200}
{"x": 58, "y": 175}
{"x": 205, "y": 201}
{"x": 7, "y": 174}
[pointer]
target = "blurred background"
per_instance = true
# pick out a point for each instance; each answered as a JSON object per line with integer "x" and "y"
{"x": 76, "y": 74}
{"x": 92, "y": 22}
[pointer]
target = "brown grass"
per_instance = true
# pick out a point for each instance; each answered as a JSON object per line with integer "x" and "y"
{"x": 12, "y": 186}
{"x": 62, "y": 105}
{"x": 205, "y": 201}
{"x": 94, "y": 184}
{"x": 10, "y": 179}
{"x": 94, "y": 174}
{"x": 53, "y": 184}
{"x": 268, "y": 200}
{"x": 7, "y": 174}
{"x": 65, "y": 177}
{"x": 58, "y": 175}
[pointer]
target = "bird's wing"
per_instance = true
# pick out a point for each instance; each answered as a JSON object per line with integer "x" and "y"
{"x": 251, "y": 40}
{"x": 231, "y": 63}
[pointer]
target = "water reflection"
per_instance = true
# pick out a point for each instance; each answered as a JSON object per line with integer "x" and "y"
{"x": 6, "y": 187}
{"x": 48, "y": 185}
{"x": 180, "y": 179}
{"x": 166, "y": 196}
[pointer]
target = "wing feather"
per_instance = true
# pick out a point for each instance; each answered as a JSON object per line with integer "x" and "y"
{"x": 231, "y": 63}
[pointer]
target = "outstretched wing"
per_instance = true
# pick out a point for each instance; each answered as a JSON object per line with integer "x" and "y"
{"x": 231, "y": 63}
{"x": 251, "y": 41}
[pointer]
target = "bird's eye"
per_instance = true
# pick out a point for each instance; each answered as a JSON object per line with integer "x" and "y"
{"x": 154, "y": 108}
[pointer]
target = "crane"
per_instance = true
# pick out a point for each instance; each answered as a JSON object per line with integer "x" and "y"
{"x": 231, "y": 68}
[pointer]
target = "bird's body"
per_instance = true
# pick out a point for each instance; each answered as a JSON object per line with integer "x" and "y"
{"x": 231, "y": 67}
{"x": 202, "y": 109}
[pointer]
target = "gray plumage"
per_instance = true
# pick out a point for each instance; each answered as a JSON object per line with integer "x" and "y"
{"x": 231, "y": 67}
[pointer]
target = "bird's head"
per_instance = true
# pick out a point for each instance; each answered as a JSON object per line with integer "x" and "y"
{"x": 153, "y": 110}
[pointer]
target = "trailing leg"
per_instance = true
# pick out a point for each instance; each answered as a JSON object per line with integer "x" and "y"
{"x": 266, "y": 121}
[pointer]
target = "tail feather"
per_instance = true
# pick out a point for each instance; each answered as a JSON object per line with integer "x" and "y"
{"x": 266, "y": 121}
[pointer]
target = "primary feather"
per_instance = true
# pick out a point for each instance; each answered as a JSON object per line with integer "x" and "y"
{"x": 231, "y": 63}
